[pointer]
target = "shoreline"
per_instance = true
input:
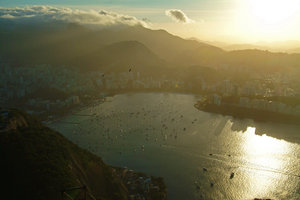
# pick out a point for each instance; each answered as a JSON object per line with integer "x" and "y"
{"x": 234, "y": 111}
{"x": 191, "y": 103}
{"x": 141, "y": 185}
{"x": 73, "y": 110}
{"x": 94, "y": 102}
{"x": 249, "y": 113}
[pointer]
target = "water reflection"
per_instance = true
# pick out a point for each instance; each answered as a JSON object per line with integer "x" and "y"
{"x": 164, "y": 135}
{"x": 263, "y": 145}
{"x": 291, "y": 132}
{"x": 264, "y": 161}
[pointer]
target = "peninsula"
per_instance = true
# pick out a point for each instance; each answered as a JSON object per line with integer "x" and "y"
{"x": 258, "y": 109}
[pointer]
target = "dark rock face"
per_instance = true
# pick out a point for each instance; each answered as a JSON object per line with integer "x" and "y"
{"x": 12, "y": 120}
{"x": 38, "y": 163}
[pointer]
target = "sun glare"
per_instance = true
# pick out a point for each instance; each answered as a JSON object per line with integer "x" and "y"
{"x": 262, "y": 145}
{"x": 267, "y": 19}
{"x": 273, "y": 11}
{"x": 261, "y": 153}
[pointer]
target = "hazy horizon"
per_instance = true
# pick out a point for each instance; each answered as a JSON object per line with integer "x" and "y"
{"x": 150, "y": 100}
{"x": 226, "y": 21}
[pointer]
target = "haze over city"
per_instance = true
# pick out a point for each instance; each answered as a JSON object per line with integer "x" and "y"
{"x": 150, "y": 100}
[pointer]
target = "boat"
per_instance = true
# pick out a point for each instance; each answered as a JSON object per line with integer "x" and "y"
{"x": 231, "y": 175}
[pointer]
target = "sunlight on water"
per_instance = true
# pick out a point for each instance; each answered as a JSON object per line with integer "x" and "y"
{"x": 262, "y": 145}
{"x": 261, "y": 153}
{"x": 164, "y": 135}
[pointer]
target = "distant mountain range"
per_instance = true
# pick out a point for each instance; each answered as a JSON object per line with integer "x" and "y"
{"x": 285, "y": 47}
{"x": 118, "y": 49}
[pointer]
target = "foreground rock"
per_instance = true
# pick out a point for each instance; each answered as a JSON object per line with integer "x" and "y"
{"x": 39, "y": 163}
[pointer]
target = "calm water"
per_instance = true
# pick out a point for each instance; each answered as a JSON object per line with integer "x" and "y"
{"x": 164, "y": 135}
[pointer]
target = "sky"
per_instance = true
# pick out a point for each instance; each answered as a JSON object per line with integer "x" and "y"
{"x": 229, "y": 21}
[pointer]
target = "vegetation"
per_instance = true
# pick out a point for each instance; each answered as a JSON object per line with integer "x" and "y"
{"x": 37, "y": 163}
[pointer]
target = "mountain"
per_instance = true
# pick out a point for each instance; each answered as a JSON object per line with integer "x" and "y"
{"x": 65, "y": 44}
{"x": 234, "y": 47}
{"x": 204, "y": 56}
{"x": 296, "y": 50}
{"x": 280, "y": 46}
{"x": 119, "y": 49}
{"x": 53, "y": 44}
{"x": 76, "y": 45}
{"x": 164, "y": 44}
{"x": 37, "y": 163}
{"x": 258, "y": 60}
{"x": 122, "y": 56}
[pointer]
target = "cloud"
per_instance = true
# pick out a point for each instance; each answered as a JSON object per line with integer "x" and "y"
{"x": 178, "y": 16}
{"x": 7, "y": 16}
{"x": 53, "y": 14}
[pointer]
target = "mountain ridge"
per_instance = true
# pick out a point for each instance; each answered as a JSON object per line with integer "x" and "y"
{"x": 105, "y": 49}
